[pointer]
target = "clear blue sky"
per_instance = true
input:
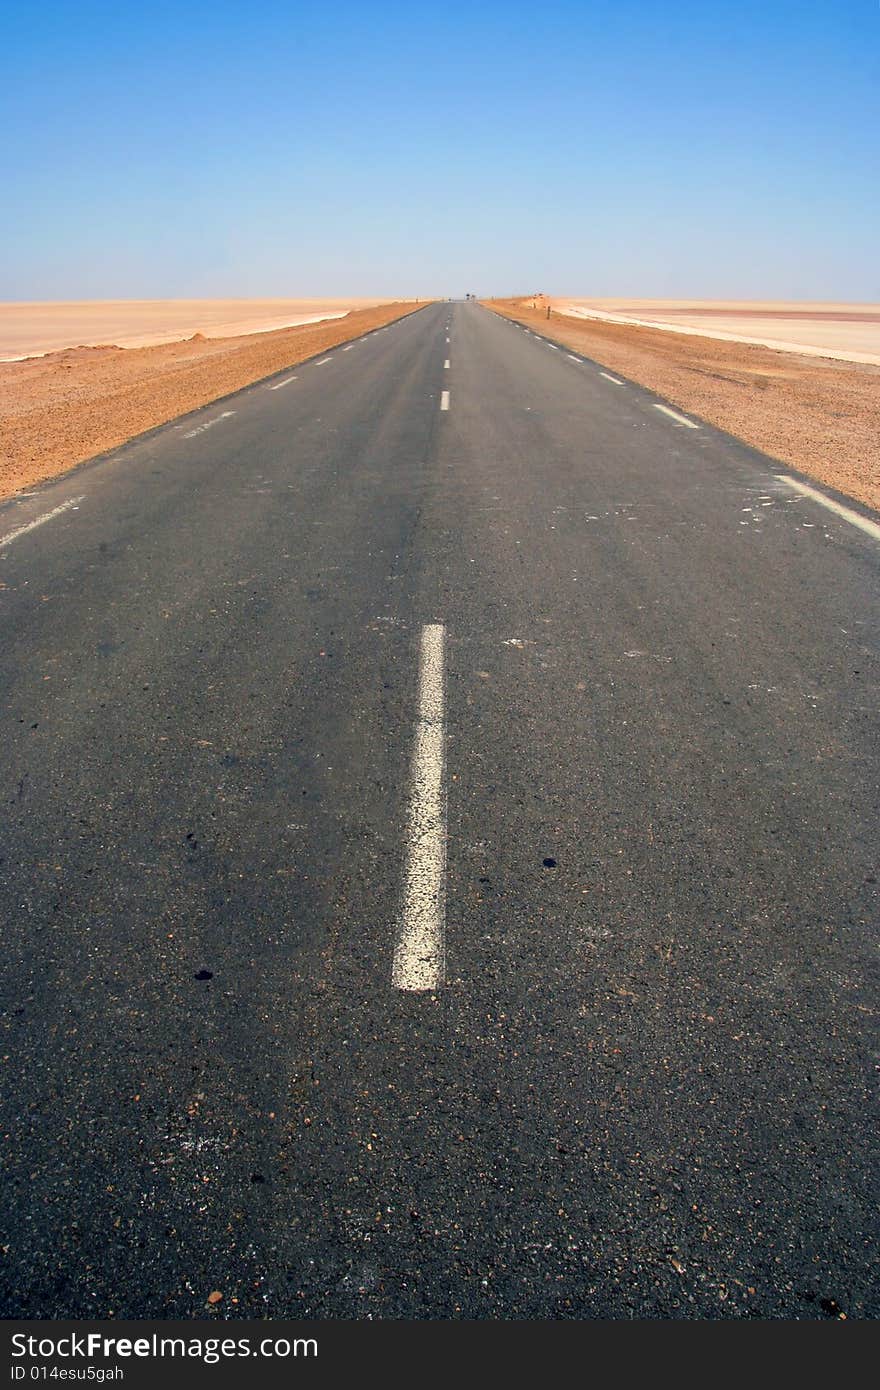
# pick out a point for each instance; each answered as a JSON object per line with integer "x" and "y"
{"x": 636, "y": 147}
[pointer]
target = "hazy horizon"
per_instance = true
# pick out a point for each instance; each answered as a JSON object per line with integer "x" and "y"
{"x": 574, "y": 295}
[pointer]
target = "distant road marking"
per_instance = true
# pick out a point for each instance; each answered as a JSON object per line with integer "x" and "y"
{"x": 608, "y": 377}
{"x": 32, "y": 525}
{"x": 870, "y": 528}
{"x": 674, "y": 415}
{"x": 553, "y": 346}
{"x": 444, "y": 400}
{"x": 419, "y": 949}
{"x": 278, "y": 385}
{"x": 446, "y": 364}
{"x": 348, "y": 348}
{"x": 325, "y": 360}
{"x": 573, "y": 359}
{"x": 200, "y": 429}
{"x": 449, "y": 340}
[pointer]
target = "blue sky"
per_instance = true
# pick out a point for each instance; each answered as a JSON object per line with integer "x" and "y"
{"x": 630, "y": 148}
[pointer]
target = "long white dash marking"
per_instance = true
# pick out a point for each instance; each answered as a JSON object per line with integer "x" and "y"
{"x": 444, "y": 400}
{"x": 609, "y": 377}
{"x": 553, "y": 346}
{"x": 348, "y": 347}
{"x": 446, "y": 364}
{"x": 40, "y": 521}
{"x": 571, "y": 358}
{"x": 420, "y": 948}
{"x": 864, "y": 523}
{"x": 209, "y": 424}
{"x": 286, "y": 382}
{"x": 324, "y": 360}
{"x": 674, "y": 415}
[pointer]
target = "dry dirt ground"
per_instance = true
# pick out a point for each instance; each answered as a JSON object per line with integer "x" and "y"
{"x": 58, "y": 410}
{"x": 820, "y": 416}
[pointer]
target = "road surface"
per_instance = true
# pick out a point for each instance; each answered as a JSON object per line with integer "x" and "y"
{"x": 439, "y": 867}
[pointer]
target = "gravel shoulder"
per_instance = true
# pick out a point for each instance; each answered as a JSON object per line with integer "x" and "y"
{"x": 59, "y": 410}
{"x": 820, "y": 416}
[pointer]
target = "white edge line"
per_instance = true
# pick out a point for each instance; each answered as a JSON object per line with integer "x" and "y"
{"x": 200, "y": 429}
{"x": 674, "y": 415}
{"x": 323, "y": 361}
{"x": 571, "y": 358}
{"x": 871, "y": 528}
{"x": 278, "y": 385}
{"x": 608, "y": 377}
{"x": 444, "y": 400}
{"x": 40, "y": 521}
{"x": 419, "y": 951}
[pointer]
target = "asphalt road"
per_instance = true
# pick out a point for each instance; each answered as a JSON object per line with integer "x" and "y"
{"x": 623, "y": 812}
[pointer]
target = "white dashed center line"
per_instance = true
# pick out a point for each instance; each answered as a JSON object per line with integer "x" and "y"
{"x": 40, "y": 521}
{"x": 573, "y": 359}
{"x": 278, "y": 385}
{"x": 614, "y": 379}
{"x": 419, "y": 951}
{"x": 446, "y": 364}
{"x": 444, "y": 400}
{"x": 674, "y": 415}
{"x": 864, "y": 523}
{"x": 324, "y": 360}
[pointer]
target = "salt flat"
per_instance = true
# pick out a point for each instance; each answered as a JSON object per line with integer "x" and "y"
{"x": 36, "y": 328}
{"x": 849, "y": 332}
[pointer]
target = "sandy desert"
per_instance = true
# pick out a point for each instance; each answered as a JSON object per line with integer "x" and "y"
{"x": 34, "y": 329}
{"x": 847, "y": 332}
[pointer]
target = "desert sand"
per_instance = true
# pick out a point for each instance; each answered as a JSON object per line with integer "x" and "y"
{"x": 65, "y": 407}
{"x": 33, "y": 329}
{"x": 820, "y": 415}
{"x": 847, "y": 332}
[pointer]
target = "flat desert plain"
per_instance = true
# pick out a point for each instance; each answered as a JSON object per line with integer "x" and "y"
{"x": 848, "y": 332}
{"x": 34, "y": 329}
